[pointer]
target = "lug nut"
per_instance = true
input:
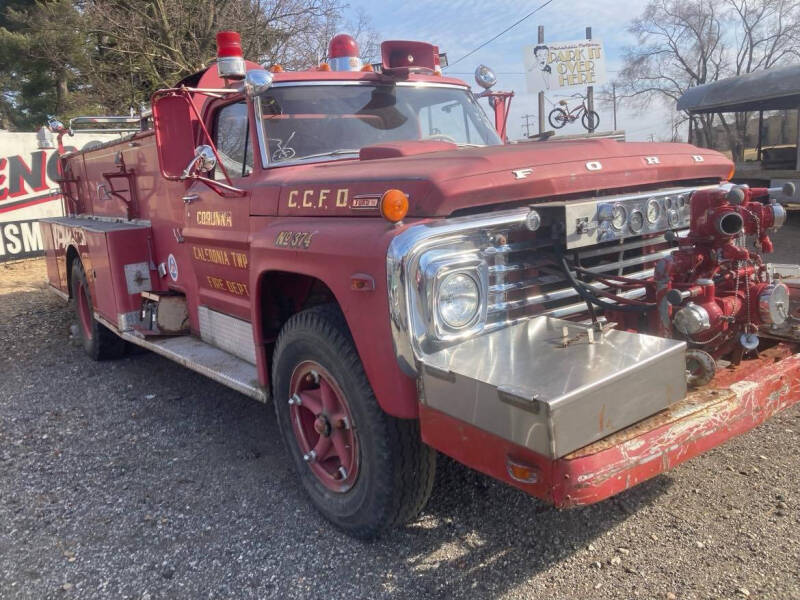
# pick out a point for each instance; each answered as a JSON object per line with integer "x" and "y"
{"x": 310, "y": 457}
{"x": 343, "y": 472}
{"x": 295, "y": 400}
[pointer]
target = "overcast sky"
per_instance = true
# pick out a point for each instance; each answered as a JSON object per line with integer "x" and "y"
{"x": 459, "y": 26}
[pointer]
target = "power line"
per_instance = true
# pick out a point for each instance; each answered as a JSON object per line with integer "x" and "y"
{"x": 506, "y": 30}
{"x": 527, "y": 125}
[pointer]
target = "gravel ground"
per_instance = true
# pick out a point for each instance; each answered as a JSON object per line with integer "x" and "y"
{"x": 140, "y": 479}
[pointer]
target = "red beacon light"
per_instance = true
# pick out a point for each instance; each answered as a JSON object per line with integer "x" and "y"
{"x": 343, "y": 53}
{"x": 230, "y": 60}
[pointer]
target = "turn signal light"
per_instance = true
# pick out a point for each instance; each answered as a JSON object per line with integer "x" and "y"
{"x": 519, "y": 471}
{"x": 324, "y": 67}
{"x": 276, "y": 69}
{"x": 394, "y": 205}
{"x": 731, "y": 173}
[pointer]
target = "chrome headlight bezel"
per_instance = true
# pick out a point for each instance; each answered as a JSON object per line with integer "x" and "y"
{"x": 435, "y": 269}
{"x": 414, "y": 258}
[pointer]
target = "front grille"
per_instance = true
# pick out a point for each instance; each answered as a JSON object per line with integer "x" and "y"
{"x": 526, "y": 280}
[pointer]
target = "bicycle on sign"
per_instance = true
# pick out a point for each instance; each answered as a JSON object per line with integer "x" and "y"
{"x": 563, "y": 114}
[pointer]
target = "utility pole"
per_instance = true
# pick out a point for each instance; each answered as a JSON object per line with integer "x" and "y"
{"x": 540, "y": 40}
{"x": 614, "y": 100}
{"x": 527, "y": 125}
{"x": 590, "y": 93}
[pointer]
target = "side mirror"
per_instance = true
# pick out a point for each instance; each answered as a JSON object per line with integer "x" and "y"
{"x": 204, "y": 161}
{"x": 55, "y": 126}
{"x": 257, "y": 82}
{"x": 172, "y": 121}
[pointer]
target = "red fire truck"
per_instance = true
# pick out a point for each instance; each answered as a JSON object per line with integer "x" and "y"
{"x": 358, "y": 244}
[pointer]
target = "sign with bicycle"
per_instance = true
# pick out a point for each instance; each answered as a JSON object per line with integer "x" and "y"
{"x": 554, "y": 66}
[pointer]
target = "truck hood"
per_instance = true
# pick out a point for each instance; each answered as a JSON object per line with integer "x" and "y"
{"x": 440, "y": 178}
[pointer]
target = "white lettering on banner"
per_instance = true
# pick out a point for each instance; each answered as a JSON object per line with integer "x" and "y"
{"x": 28, "y": 175}
{"x": 28, "y": 189}
{"x": 20, "y": 239}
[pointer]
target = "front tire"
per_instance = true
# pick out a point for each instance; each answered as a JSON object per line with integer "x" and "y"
{"x": 364, "y": 470}
{"x": 558, "y": 118}
{"x": 99, "y": 342}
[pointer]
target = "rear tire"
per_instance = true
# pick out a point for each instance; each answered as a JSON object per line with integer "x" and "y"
{"x": 388, "y": 472}
{"x": 585, "y": 120}
{"x": 99, "y": 342}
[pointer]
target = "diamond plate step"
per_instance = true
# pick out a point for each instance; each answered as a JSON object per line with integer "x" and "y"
{"x": 207, "y": 360}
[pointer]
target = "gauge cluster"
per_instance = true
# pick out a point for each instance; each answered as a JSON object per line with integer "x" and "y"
{"x": 640, "y": 215}
{"x": 587, "y": 222}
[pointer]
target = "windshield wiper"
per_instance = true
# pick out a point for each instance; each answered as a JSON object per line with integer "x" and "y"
{"x": 331, "y": 153}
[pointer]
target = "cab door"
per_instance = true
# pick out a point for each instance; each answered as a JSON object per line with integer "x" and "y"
{"x": 217, "y": 228}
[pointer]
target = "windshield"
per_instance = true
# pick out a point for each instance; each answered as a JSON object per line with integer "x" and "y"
{"x": 311, "y": 121}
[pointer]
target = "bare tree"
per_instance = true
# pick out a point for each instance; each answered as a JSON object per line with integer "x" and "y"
{"x": 684, "y": 43}
{"x": 142, "y": 45}
{"x": 767, "y": 33}
{"x": 680, "y": 45}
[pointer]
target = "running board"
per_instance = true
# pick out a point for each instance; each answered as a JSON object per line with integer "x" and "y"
{"x": 206, "y": 360}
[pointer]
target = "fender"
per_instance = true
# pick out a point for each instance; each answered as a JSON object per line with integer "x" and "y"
{"x": 333, "y": 250}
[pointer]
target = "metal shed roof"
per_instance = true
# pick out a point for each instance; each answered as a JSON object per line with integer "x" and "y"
{"x": 774, "y": 89}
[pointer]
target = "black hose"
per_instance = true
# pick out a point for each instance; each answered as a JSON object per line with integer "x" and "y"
{"x": 588, "y": 296}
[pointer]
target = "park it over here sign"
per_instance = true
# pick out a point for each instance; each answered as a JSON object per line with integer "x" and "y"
{"x": 554, "y": 66}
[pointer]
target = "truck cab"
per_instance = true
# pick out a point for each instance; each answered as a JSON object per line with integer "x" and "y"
{"x": 360, "y": 245}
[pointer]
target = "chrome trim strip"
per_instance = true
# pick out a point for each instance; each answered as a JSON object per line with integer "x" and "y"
{"x": 369, "y": 82}
{"x": 262, "y": 143}
{"x": 630, "y": 262}
{"x": 566, "y": 292}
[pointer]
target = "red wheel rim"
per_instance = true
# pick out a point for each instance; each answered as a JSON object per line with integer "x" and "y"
{"x": 323, "y": 426}
{"x": 84, "y": 312}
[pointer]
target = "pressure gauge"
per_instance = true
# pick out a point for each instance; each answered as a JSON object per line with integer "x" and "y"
{"x": 653, "y": 210}
{"x": 681, "y": 201}
{"x": 637, "y": 221}
{"x": 619, "y": 216}
{"x": 673, "y": 218}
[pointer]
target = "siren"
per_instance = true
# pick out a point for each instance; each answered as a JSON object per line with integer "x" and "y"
{"x": 230, "y": 60}
{"x": 343, "y": 53}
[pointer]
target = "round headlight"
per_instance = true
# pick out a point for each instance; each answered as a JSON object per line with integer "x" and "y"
{"x": 459, "y": 300}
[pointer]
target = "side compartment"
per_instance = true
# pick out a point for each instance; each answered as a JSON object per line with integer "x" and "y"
{"x": 117, "y": 257}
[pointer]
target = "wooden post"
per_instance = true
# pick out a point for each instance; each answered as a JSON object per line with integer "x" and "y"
{"x": 760, "y": 131}
{"x": 540, "y": 40}
{"x": 797, "y": 163}
{"x": 614, "y": 100}
{"x": 590, "y": 92}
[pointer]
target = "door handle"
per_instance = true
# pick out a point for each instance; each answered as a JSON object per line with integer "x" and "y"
{"x": 189, "y": 198}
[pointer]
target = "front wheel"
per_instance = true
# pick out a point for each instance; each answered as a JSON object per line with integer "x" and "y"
{"x": 364, "y": 470}
{"x": 558, "y": 118}
{"x": 595, "y": 120}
